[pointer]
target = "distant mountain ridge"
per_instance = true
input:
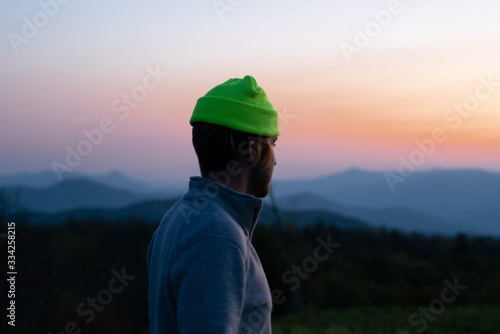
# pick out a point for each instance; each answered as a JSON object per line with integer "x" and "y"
{"x": 73, "y": 194}
{"x": 392, "y": 218}
{"x": 152, "y": 211}
{"x": 457, "y": 197}
{"x": 114, "y": 179}
{"x": 437, "y": 201}
{"x": 149, "y": 210}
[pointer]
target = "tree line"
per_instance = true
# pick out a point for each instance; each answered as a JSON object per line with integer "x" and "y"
{"x": 91, "y": 275}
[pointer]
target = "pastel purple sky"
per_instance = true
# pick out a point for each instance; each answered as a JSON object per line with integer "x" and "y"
{"x": 420, "y": 70}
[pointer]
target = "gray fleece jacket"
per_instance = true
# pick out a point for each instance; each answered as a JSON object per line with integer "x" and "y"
{"x": 204, "y": 274}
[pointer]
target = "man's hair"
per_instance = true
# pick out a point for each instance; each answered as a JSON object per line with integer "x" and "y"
{"x": 217, "y": 145}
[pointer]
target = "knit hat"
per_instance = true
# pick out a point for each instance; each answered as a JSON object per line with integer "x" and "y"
{"x": 239, "y": 104}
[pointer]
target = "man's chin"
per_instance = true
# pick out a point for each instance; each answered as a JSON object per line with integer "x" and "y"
{"x": 260, "y": 184}
{"x": 261, "y": 192}
{"x": 262, "y": 195}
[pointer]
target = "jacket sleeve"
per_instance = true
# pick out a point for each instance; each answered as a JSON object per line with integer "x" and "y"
{"x": 209, "y": 279}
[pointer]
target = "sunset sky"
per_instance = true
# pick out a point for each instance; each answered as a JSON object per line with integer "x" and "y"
{"x": 356, "y": 85}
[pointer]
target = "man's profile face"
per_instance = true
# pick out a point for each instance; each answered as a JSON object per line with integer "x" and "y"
{"x": 260, "y": 176}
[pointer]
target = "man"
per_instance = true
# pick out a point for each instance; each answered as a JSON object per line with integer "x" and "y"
{"x": 204, "y": 274}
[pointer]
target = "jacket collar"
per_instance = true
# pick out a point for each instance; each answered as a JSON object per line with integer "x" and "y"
{"x": 244, "y": 208}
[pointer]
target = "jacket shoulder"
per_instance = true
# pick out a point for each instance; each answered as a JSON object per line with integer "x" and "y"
{"x": 210, "y": 220}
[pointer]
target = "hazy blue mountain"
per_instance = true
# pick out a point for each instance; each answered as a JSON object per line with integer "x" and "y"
{"x": 488, "y": 220}
{"x": 309, "y": 201}
{"x": 36, "y": 180}
{"x": 153, "y": 211}
{"x": 46, "y": 179}
{"x": 465, "y": 197}
{"x": 393, "y": 218}
{"x": 113, "y": 179}
{"x": 312, "y": 217}
{"x": 120, "y": 181}
{"x": 73, "y": 194}
{"x": 442, "y": 201}
{"x": 153, "y": 189}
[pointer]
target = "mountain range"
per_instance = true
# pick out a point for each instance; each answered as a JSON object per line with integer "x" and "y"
{"x": 461, "y": 200}
{"x": 437, "y": 201}
{"x": 113, "y": 179}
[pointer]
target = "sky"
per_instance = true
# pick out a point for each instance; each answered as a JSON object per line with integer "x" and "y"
{"x": 93, "y": 86}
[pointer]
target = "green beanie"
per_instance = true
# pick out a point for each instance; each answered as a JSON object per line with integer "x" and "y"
{"x": 239, "y": 104}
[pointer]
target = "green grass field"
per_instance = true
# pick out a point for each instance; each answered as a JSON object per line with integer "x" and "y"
{"x": 453, "y": 320}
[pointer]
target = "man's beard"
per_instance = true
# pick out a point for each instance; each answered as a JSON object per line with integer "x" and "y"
{"x": 259, "y": 181}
